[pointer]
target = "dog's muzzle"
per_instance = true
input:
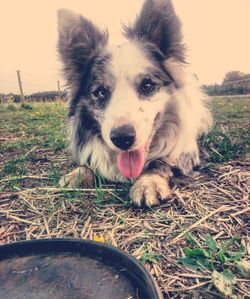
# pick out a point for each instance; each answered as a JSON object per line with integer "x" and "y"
{"x": 123, "y": 137}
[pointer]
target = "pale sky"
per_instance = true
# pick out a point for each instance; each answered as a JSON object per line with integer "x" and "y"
{"x": 217, "y": 34}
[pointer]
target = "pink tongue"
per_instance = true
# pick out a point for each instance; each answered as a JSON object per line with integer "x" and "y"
{"x": 131, "y": 163}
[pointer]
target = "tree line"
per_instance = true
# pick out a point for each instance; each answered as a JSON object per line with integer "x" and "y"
{"x": 234, "y": 83}
{"x": 37, "y": 96}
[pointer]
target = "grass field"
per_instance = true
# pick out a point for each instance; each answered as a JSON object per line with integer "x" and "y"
{"x": 194, "y": 244}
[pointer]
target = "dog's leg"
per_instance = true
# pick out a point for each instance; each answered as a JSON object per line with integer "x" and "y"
{"x": 187, "y": 161}
{"x": 81, "y": 176}
{"x": 152, "y": 187}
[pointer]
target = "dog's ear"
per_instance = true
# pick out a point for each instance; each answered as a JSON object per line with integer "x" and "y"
{"x": 159, "y": 24}
{"x": 79, "y": 42}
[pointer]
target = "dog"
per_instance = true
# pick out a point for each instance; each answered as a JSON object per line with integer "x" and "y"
{"x": 133, "y": 112}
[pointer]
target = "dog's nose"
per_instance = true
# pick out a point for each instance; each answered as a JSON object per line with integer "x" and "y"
{"x": 123, "y": 137}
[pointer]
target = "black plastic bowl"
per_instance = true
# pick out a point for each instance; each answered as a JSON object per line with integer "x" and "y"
{"x": 66, "y": 268}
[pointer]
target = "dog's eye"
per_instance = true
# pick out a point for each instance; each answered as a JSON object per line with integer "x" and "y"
{"x": 101, "y": 93}
{"x": 147, "y": 86}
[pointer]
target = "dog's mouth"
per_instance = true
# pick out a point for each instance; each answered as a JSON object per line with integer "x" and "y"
{"x": 131, "y": 163}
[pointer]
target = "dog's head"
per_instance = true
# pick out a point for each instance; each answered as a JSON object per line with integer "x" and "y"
{"x": 119, "y": 92}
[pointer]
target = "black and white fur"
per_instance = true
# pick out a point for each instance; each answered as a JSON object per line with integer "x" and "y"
{"x": 107, "y": 91}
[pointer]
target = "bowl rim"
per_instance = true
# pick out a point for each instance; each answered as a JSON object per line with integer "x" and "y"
{"x": 60, "y": 245}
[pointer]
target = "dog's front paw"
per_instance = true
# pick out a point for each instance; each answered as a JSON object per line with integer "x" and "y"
{"x": 150, "y": 190}
{"x": 81, "y": 176}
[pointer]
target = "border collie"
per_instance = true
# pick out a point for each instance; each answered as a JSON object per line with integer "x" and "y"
{"x": 133, "y": 113}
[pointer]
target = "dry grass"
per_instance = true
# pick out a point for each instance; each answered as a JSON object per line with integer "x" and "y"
{"x": 216, "y": 202}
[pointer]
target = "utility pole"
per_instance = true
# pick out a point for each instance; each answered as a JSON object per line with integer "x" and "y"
{"x": 58, "y": 89}
{"x": 20, "y": 85}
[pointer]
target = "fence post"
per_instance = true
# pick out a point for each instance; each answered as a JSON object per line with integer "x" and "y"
{"x": 20, "y": 85}
{"x": 58, "y": 89}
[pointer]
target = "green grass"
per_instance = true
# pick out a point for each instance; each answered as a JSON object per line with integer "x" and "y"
{"x": 223, "y": 261}
{"x": 229, "y": 138}
{"x": 209, "y": 255}
{"x": 150, "y": 257}
{"x": 35, "y": 124}
{"x": 26, "y": 130}
{"x": 41, "y": 126}
{"x": 16, "y": 167}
